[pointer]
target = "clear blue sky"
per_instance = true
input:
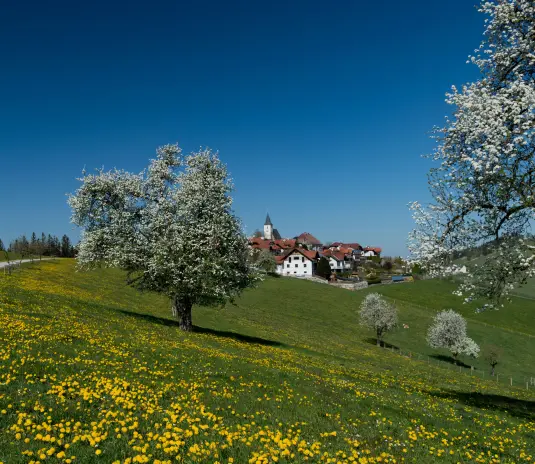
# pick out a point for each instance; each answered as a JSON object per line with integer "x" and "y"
{"x": 321, "y": 110}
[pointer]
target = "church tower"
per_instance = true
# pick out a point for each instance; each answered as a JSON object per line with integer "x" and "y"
{"x": 268, "y": 229}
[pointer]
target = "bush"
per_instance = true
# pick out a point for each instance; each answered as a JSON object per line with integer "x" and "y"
{"x": 373, "y": 281}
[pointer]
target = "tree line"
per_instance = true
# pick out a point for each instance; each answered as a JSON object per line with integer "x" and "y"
{"x": 44, "y": 245}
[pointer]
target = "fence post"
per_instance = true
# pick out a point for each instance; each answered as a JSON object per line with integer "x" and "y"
{"x": 511, "y": 381}
{"x": 471, "y": 370}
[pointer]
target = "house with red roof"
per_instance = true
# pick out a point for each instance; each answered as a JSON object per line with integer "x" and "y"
{"x": 309, "y": 240}
{"x": 372, "y": 251}
{"x": 297, "y": 262}
{"x": 338, "y": 260}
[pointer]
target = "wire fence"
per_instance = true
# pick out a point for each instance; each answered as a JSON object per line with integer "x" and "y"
{"x": 9, "y": 267}
{"x": 524, "y": 382}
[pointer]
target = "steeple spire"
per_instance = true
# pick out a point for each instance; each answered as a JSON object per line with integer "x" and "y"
{"x": 268, "y": 221}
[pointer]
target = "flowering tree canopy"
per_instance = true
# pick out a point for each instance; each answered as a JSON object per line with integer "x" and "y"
{"x": 449, "y": 331}
{"x": 171, "y": 227}
{"x": 483, "y": 189}
{"x": 377, "y": 314}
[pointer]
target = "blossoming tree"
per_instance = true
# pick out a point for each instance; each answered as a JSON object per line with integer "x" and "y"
{"x": 483, "y": 189}
{"x": 449, "y": 331}
{"x": 379, "y": 315}
{"x": 170, "y": 227}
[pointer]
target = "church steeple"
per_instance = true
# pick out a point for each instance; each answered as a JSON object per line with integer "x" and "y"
{"x": 268, "y": 229}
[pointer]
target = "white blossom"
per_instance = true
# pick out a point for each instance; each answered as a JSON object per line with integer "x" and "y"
{"x": 377, "y": 314}
{"x": 484, "y": 186}
{"x": 171, "y": 227}
{"x": 448, "y": 330}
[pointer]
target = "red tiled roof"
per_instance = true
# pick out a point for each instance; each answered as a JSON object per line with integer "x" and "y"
{"x": 285, "y": 242}
{"x": 310, "y": 254}
{"x": 279, "y": 259}
{"x": 374, "y": 249}
{"x": 354, "y": 245}
{"x": 338, "y": 255}
{"x": 307, "y": 238}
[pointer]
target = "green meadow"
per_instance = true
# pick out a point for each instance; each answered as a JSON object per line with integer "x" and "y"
{"x": 93, "y": 371}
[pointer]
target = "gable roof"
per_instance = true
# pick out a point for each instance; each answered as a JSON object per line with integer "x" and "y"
{"x": 276, "y": 234}
{"x": 374, "y": 249}
{"x": 285, "y": 242}
{"x": 309, "y": 254}
{"x": 354, "y": 245}
{"x": 338, "y": 255}
{"x": 308, "y": 238}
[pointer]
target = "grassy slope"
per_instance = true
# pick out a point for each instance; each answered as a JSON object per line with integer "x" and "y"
{"x": 512, "y": 327}
{"x": 284, "y": 374}
{"x": 12, "y": 256}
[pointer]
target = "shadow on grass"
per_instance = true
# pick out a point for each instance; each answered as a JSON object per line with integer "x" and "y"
{"x": 449, "y": 359}
{"x": 388, "y": 346}
{"x": 203, "y": 330}
{"x": 515, "y": 407}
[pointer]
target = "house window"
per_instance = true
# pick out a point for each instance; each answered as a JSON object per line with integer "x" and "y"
{"x": 332, "y": 265}
{"x": 295, "y": 272}
{"x": 303, "y": 259}
{"x": 287, "y": 265}
{"x": 305, "y": 265}
{"x": 296, "y": 265}
{"x": 304, "y": 272}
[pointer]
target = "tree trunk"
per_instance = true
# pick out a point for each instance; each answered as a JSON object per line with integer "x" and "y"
{"x": 492, "y": 371}
{"x": 182, "y": 311}
{"x": 379, "y": 336}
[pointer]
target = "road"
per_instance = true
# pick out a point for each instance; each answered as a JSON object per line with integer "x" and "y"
{"x": 16, "y": 261}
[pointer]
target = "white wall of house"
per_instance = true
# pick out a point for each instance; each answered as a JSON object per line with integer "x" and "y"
{"x": 280, "y": 269}
{"x": 297, "y": 265}
{"x": 368, "y": 253}
{"x": 339, "y": 266}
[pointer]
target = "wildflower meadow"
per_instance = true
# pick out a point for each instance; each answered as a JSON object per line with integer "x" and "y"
{"x": 93, "y": 371}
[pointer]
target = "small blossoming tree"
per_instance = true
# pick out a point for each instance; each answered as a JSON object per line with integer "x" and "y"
{"x": 377, "y": 314}
{"x": 449, "y": 331}
{"x": 170, "y": 227}
{"x": 483, "y": 190}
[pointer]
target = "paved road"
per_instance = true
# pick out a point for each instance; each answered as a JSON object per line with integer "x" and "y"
{"x": 16, "y": 261}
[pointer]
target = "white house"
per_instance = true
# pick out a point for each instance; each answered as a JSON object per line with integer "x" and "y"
{"x": 372, "y": 251}
{"x": 297, "y": 262}
{"x": 338, "y": 262}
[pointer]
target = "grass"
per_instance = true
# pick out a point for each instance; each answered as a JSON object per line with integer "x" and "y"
{"x": 93, "y": 371}
{"x": 12, "y": 256}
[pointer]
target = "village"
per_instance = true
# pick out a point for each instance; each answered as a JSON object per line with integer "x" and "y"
{"x": 299, "y": 256}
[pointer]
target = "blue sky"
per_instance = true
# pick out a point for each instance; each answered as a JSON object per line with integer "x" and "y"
{"x": 321, "y": 110}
